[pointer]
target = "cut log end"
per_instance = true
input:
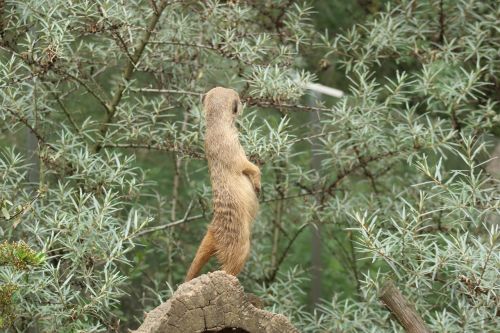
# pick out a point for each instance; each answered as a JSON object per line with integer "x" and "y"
{"x": 213, "y": 302}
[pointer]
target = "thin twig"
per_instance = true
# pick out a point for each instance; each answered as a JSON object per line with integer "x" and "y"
{"x": 159, "y": 147}
{"x": 169, "y": 225}
{"x": 272, "y": 275}
{"x": 129, "y": 70}
{"x": 249, "y": 100}
{"x": 166, "y": 91}
{"x": 354, "y": 261}
{"x": 25, "y": 207}
{"x": 300, "y": 195}
{"x": 116, "y": 35}
{"x": 25, "y": 122}
{"x": 92, "y": 77}
{"x": 441, "y": 22}
{"x": 177, "y": 172}
{"x": 201, "y": 46}
{"x": 277, "y": 220}
{"x": 63, "y": 108}
{"x": 85, "y": 85}
{"x": 362, "y": 162}
{"x": 274, "y": 104}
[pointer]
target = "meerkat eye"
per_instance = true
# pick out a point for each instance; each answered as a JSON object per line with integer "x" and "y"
{"x": 235, "y": 107}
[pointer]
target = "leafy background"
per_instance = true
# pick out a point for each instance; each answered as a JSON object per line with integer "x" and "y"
{"x": 102, "y": 175}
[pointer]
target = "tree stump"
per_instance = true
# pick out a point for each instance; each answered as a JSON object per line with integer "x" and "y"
{"x": 213, "y": 302}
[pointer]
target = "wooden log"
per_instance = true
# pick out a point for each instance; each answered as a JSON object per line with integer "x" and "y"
{"x": 213, "y": 302}
{"x": 404, "y": 312}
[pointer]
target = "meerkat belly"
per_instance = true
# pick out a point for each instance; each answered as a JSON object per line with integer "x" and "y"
{"x": 235, "y": 198}
{"x": 247, "y": 195}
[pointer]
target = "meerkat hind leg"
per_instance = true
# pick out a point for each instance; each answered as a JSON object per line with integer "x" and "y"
{"x": 205, "y": 251}
{"x": 233, "y": 258}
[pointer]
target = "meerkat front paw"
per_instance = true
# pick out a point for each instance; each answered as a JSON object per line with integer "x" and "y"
{"x": 257, "y": 185}
{"x": 257, "y": 189}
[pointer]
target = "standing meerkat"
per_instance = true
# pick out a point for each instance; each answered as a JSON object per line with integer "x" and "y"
{"x": 235, "y": 186}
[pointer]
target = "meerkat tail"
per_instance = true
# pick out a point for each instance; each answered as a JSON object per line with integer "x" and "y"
{"x": 205, "y": 251}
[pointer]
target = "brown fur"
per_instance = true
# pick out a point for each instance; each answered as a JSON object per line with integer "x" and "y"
{"x": 235, "y": 185}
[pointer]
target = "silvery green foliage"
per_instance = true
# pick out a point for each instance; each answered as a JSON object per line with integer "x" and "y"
{"x": 96, "y": 84}
{"x": 111, "y": 92}
{"x": 415, "y": 132}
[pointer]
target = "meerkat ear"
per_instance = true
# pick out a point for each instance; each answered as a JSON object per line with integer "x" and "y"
{"x": 203, "y": 99}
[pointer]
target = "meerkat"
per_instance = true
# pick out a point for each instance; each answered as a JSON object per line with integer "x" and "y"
{"x": 235, "y": 186}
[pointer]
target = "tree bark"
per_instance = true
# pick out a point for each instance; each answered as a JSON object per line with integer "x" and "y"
{"x": 404, "y": 312}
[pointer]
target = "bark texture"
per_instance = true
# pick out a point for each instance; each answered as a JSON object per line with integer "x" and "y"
{"x": 402, "y": 309}
{"x": 213, "y": 302}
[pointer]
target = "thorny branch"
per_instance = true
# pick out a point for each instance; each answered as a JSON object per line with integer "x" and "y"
{"x": 272, "y": 275}
{"x": 249, "y": 100}
{"x": 129, "y": 69}
{"x": 25, "y": 207}
{"x": 171, "y": 148}
{"x": 186, "y": 218}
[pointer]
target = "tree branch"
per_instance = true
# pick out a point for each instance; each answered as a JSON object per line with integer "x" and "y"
{"x": 85, "y": 85}
{"x": 24, "y": 121}
{"x": 272, "y": 275}
{"x": 171, "y": 148}
{"x": 362, "y": 163}
{"x": 169, "y": 225}
{"x": 405, "y": 312}
{"x": 167, "y": 91}
{"x": 129, "y": 68}
{"x": 279, "y": 105}
{"x": 63, "y": 107}
{"x": 441, "y": 22}
{"x": 172, "y": 224}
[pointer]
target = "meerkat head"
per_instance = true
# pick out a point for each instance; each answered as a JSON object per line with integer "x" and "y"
{"x": 222, "y": 106}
